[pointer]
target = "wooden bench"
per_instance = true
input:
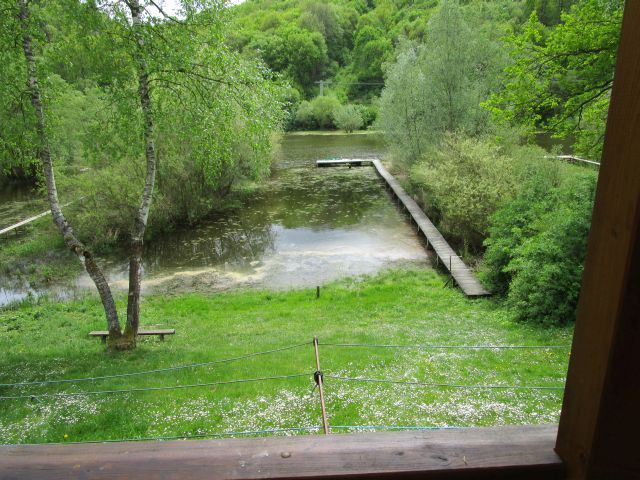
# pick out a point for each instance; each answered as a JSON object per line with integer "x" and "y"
{"x": 162, "y": 332}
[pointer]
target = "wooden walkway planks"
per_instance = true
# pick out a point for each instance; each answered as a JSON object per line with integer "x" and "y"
{"x": 460, "y": 272}
{"x": 31, "y": 219}
{"x": 24, "y": 222}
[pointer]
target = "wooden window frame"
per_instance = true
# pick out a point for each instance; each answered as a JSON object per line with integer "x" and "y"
{"x": 597, "y": 434}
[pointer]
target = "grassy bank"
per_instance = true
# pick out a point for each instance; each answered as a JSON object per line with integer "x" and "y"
{"x": 49, "y": 341}
{"x": 36, "y": 256}
{"x": 305, "y": 133}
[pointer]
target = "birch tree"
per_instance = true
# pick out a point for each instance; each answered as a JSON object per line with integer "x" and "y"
{"x": 209, "y": 102}
{"x": 44, "y": 152}
{"x": 142, "y": 215}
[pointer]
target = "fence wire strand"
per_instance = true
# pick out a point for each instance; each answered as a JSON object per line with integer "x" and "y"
{"x": 443, "y": 347}
{"x": 157, "y": 370}
{"x": 155, "y": 389}
{"x": 441, "y": 385}
{"x": 248, "y": 433}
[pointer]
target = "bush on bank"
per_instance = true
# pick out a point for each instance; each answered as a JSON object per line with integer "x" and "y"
{"x": 530, "y": 215}
{"x": 537, "y": 247}
{"x": 327, "y": 112}
{"x": 463, "y": 181}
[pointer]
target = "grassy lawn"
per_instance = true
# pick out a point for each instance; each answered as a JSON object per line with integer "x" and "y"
{"x": 407, "y": 306}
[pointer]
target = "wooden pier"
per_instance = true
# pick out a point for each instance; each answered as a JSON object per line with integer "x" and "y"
{"x": 460, "y": 272}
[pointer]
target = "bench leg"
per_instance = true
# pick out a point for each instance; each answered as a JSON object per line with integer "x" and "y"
{"x": 162, "y": 338}
{"x": 104, "y": 339}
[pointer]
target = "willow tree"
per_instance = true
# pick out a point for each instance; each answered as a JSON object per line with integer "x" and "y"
{"x": 207, "y": 100}
{"x": 438, "y": 86}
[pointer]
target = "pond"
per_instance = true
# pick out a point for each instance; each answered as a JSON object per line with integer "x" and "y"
{"x": 304, "y": 227}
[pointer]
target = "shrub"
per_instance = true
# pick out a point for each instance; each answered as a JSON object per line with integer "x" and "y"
{"x": 323, "y": 109}
{"x": 369, "y": 114}
{"x": 511, "y": 224}
{"x": 537, "y": 247}
{"x": 348, "y": 118}
{"x": 304, "y": 118}
{"x": 318, "y": 113}
{"x": 464, "y": 181}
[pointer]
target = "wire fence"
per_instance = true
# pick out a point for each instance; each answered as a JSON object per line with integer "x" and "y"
{"x": 266, "y": 431}
{"x": 441, "y": 385}
{"x": 444, "y": 347}
{"x": 317, "y": 377}
{"x": 157, "y": 370}
{"x": 155, "y": 389}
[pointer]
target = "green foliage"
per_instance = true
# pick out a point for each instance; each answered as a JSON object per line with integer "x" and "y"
{"x": 306, "y": 56}
{"x": 73, "y": 115}
{"x": 371, "y": 50}
{"x": 561, "y": 78}
{"x": 348, "y": 118}
{"x": 369, "y": 114}
{"x": 18, "y": 152}
{"x": 462, "y": 181}
{"x": 299, "y": 53}
{"x": 549, "y": 11}
{"x": 335, "y": 22}
{"x": 323, "y": 109}
{"x": 514, "y": 221}
{"x": 215, "y": 112}
{"x": 438, "y": 86}
{"x": 304, "y": 118}
{"x": 537, "y": 247}
{"x": 359, "y": 36}
{"x": 318, "y": 113}
{"x": 403, "y": 107}
{"x": 37, "y": 258}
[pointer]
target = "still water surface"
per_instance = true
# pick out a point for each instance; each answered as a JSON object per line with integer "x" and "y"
{"x": 306, "y": 226}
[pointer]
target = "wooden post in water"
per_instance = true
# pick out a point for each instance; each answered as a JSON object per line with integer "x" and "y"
{"x": 317, "y": 376}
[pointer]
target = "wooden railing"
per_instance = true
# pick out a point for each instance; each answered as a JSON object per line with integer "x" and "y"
{"x": 506, "y": 452}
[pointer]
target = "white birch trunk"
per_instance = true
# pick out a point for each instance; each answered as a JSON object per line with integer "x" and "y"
{"x": 60, "y": 221}
{"x": 140, "y": 223}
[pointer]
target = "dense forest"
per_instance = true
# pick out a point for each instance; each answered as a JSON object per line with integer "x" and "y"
{"x": 527, "y": 54}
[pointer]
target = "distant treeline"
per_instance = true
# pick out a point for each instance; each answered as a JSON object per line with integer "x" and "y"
{"x": 347, "y": 43}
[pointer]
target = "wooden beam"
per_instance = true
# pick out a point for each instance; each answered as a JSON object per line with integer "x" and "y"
{"x": 600, "y": 424}
{"x": 31, "y": 219}
{"x": 24, "y": 222}
{"x": 507, "y": 452}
